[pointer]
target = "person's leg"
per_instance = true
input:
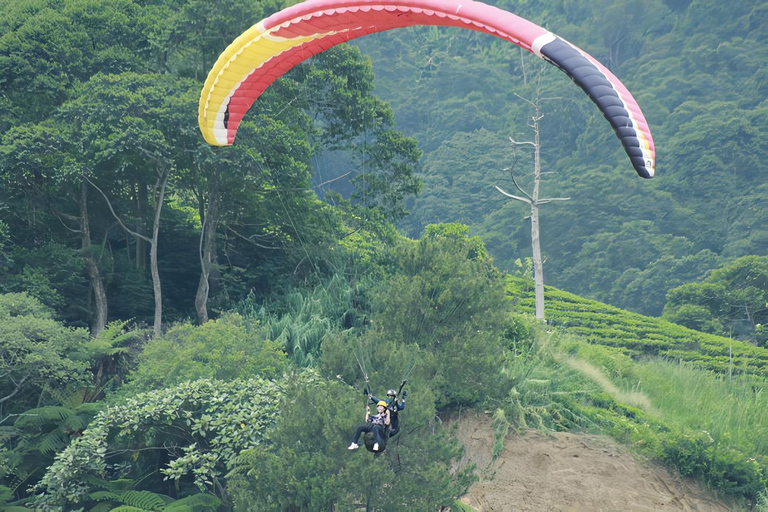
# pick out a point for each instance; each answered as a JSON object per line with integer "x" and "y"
{"x": 360, "y": 430}
{"x": 378, "y": 437}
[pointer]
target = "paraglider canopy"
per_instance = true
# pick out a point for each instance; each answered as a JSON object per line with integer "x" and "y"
{"x": 276, "y": 44}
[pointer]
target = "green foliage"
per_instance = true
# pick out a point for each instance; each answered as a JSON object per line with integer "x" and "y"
{"x": 118, "y": 107}
{"x": 500, "y": 430}
{"x": 143, "y": 501}
{"x": 725, "y": 469}
{"x": 623, "y": 262}
{"x": 680, "y": 59}
{"x": 709, "y": 425}
{"x": 112, "y": 352}
{"x": 195, "y": 503}
{"x": 477, "y": 155}
{"x": 299, "y": 319}
{"x": 108, "y": 89}
{"x": 53, "y": 274}
{"x": 442, "y": 289}
{"x": 201, "y": 426}
{"x": 39, "y": 433}
{"x": 731, "y": 300}
{"x": 762, "y": 501}
{"x": 48, "y": 48}
{"x": 225, "y": 349}
{"x": 308, "y": 465}
{"x": 390, "y": 179}
{"x": 705, "y": 425}
{"x": 38, "y": 354}
{"x": 447, "y": 298}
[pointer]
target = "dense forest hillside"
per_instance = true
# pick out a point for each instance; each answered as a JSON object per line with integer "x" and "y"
{"x": 189, "y": 327}
{"x": 695, "y": 68}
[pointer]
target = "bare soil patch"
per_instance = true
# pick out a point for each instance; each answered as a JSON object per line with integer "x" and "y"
{"x": 540, "y": 471}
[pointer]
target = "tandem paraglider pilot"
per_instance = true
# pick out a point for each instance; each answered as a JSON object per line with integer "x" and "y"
{"x": 376, "y": 424}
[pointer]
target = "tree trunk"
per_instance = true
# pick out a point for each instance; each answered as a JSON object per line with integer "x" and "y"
{"x": 207, "y": 249}
{"x": 538, "y": 264}
{"x": 97, "y": 283}
{"x": 533, "y": 201}
{"x": 163, "y": 181}
{"x": 142, "y": 206}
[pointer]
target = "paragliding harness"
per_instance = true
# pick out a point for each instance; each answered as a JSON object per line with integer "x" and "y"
{"x": 368, "y": 439}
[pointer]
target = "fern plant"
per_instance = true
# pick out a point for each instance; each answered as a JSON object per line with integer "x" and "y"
{"x": 146, "y": 501}
{"x": 38, "y": 434}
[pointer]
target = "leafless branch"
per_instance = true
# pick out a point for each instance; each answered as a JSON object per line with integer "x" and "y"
{"x": 109, "y": 203}
{"x": 15, "y": 391}
{"x": 296, "y": 270}
{"x": 550, "y": 199}
{"x": 332, "y": 180}
{"x": 522, "y": 199}
{"x": 14, "y": 416}
{"x": 251, "y": 240}
{"x": 518, "y": 187}
{"x": 523, "y": 143}
{"x": 59, "y": 216}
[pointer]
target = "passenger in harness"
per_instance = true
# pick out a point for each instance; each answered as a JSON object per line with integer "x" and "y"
{"x": 377, "y": 424}
{"x": 394, "y": 407}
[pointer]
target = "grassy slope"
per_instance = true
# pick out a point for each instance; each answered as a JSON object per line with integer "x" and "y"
{"x": 638, "y": 335}
{"x": 706, "y": 418}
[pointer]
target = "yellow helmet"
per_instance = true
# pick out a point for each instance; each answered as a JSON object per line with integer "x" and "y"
{"x": 382, "y": 403}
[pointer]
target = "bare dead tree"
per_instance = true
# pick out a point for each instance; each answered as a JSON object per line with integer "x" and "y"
{"x": 534, "y": 201}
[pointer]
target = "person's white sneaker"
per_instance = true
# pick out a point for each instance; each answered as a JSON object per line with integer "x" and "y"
{"x": 353, "y": 446}
{"x": 375, "y": 447}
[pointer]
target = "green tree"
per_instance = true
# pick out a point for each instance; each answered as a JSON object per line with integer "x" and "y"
{"x": 65, "y": 404}
{"x": 224, "y": 349}
{"x": 447, "y": 297}
{"x": 189, "y": 433}
{"x": 323, "y": 105}
{"x": 457, "y": 180}
{"x": 308, "y": 466}
{"x": 40, "y": 356}
{"x": 131, "y": 130}
{"x": 45, "y": 172}
{"x": 605, "y": 257}
{"x": 48, "y": 47}
{"x": 187, "y": 36}
{"x": 731, "y": 301}
{"x": 37, "y": 435}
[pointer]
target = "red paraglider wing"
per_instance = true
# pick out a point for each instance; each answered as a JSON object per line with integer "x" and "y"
{"x": 273, "y": 46}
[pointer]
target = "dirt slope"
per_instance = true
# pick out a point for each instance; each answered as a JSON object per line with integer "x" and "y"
{"x": 574, "y": 472}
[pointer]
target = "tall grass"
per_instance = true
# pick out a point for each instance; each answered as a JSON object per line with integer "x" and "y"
{"x": 704, "y": 424}
{"x": 631, "y": 397}
{"x": 731, "y": 410}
